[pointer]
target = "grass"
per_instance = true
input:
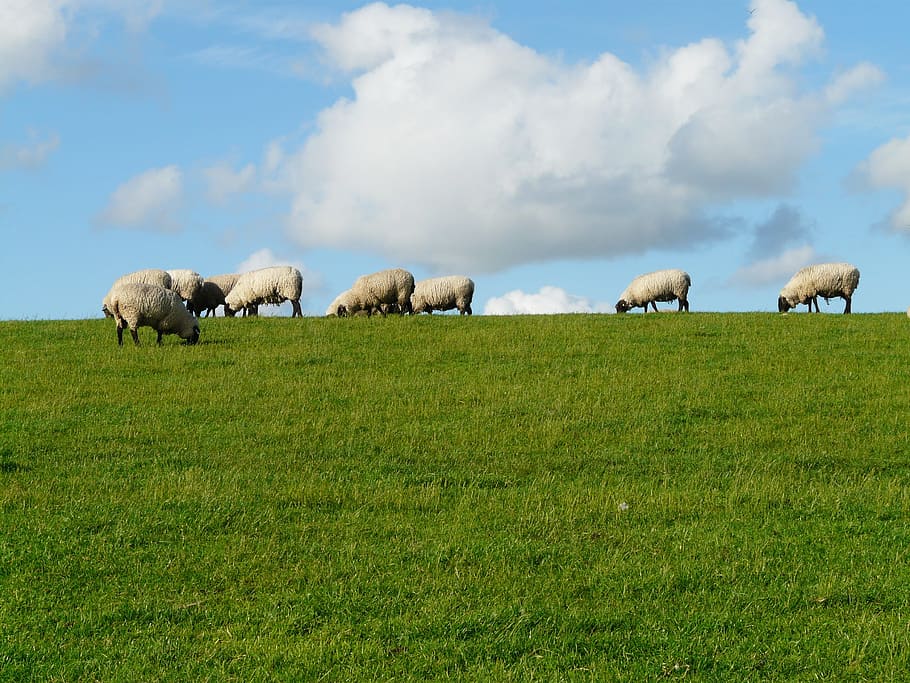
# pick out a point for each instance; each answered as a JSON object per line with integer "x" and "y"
{"x": 703, "y": 496}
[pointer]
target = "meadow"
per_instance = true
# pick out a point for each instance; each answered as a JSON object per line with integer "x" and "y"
{"x": 574, "y": 497}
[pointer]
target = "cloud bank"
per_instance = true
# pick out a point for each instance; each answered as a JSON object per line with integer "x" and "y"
{"x": 460, "y": 149}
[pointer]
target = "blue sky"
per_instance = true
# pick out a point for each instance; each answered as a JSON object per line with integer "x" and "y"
{"x": 550, "y": 151}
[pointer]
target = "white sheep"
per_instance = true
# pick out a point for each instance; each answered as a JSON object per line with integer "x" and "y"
{"x": 371, "y": 292}
{"x": 826, "y": 280}
{"x": 212, "y": 293}
{"x": 186, "y": 283}
{"x": 150, "y": 276}
{"x": 136, "y": 304}
{"x": 443, "y": 294}
{"x": 273, "y": 285}
{"x": 661, "y": 285}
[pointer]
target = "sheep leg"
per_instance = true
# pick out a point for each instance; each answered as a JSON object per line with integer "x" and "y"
{"x": 297, "y": 312}
{"x": 135, "y": 336}
{"x": 683, "y": 305}
{"x": 847, "y": 307}
{"x": 653, "y": 305}
{"x": 160, "y": 334}
{"x": 119, "y": 336}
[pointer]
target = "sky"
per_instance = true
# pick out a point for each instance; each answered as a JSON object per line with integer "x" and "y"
{"x": 549, "y": 151}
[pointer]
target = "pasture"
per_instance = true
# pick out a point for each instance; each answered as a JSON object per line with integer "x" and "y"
{"x": 573, "y": 497}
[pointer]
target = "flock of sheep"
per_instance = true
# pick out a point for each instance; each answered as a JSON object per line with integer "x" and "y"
{"x": 170, "y": 301}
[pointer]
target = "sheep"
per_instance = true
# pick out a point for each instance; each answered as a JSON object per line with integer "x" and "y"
{"x": 343, "y": 299}
{"x": 370, "y": 292}
{"x": 272, "y": 285}
{"x": 136, "y": 304}
{"x": 151, "y": 276}
{"x": 211, "y": 295}
{"x": 186, "y": 283}
{"x": 826, "y": 280}
{"x": 661, "y": 285}
{"x": 443, "y": 294}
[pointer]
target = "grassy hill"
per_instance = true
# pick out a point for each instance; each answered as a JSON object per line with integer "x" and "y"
{"x": 577, "y": 497}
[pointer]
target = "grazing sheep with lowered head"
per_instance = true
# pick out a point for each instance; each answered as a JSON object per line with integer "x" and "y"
{"x": 273, "y": 285}
{"x": 826, "y": 280}
{"x": 661, "y": 285}
{"x": 371, "y": 292}
{"x": 137, "y": 304}
{"x": 443, "y": 294}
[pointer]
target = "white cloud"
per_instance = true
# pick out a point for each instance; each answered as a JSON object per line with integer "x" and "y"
{"x": 461, "y": 149}
{"x": 149, "y": 200}
{"x": 223, "y": 181}
{"x": 30, "y": 155}
{"x": 888, "y": 167}
{"x": 777, "y": 268}
{"x": 30, "y": 33}
{"x": 548, "y": 300}
{"x": 860, "y": 77}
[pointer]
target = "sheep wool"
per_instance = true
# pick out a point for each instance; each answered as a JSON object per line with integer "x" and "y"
{"x": 371, "y": 292}
{"x": 273, "y": 285}
{"x": 211, "y": 295}
{"x": 151, "y": 276}
{"x": 137, "y": 304}
{"x": 826, "y": 280}
{"x": 443, "y": 294}
{"x": 186, "y": 283}
{"x": 661, "y": 285}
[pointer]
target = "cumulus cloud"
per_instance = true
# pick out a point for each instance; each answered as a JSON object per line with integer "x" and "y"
{"x": 30, "y": 33}
{"x": 224, "y": 182}
{"x": 149, "y": 201}
{"x": 778, "y": 268}
{"x": 888, "y": 167}
{"x": 30, "y": 155}
{"x": 548, "y": 300}
{"x": 786, "y": 227}
{"x": 461, "y": 149}
{"x": 780, "y": 246}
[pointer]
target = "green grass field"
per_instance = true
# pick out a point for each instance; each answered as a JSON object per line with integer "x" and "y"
{"x": 577, "y": 497}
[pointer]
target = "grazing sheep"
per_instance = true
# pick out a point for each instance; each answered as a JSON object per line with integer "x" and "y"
{"x": 661, "y": 285}
{"x": 343, "y": 299}
{"x": 371, "y": 292}
{"x": 826, "y": 280}
{"x": 272, "y": 285}
{"x": 137, "y": 304}
{"x": 211, "y": 294}
{"x": 186, "y": 283}
{"x": 151, "y": 276}
{"x": 443, "y": 294}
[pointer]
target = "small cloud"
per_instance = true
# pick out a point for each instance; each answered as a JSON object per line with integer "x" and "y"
{"x": 776, "y": 268}
{"x": 861, "y": 76}
{"x": 30, "y": 155}
{"x": 786, "y": 227}
{"x": 888, "y": 167}
{"x": 548, "y": 300}
{"x": 224, "y": 182}
{"x": 147, "y": 201}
